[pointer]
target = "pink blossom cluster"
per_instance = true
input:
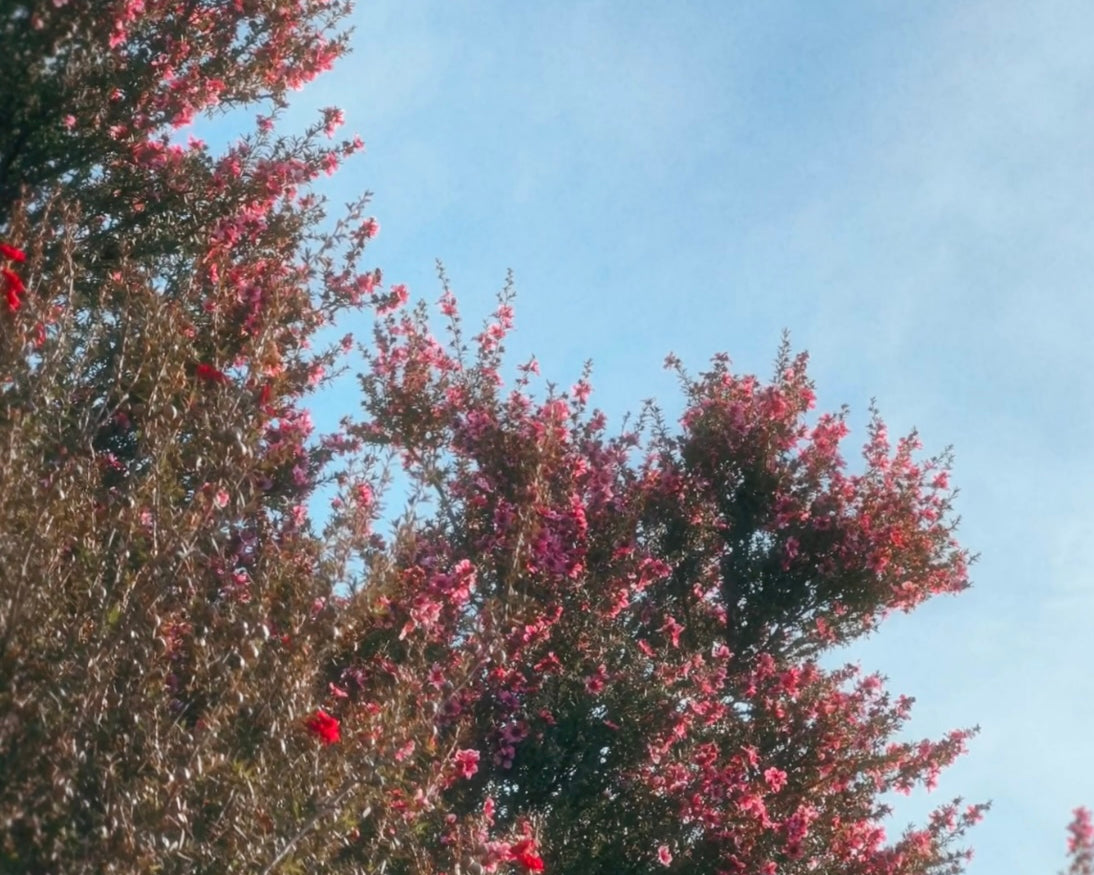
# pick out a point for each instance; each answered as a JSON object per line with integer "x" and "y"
{"x": 1080, "y": 843}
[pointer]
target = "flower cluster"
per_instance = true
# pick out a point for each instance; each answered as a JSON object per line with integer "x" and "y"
{"x": 1080, "y": 843}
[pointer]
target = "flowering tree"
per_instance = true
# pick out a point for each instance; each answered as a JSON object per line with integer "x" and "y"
{"x": 1080, "y": 843}
{"x": 162, "y": 629}
{"x": 574, "y": 652}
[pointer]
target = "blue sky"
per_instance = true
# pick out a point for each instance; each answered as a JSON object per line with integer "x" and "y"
{"x": 907, "y": 188}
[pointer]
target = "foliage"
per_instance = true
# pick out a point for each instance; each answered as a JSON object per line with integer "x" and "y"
{"x": 1080, "y": 843}
{"x": 575, "y": 652}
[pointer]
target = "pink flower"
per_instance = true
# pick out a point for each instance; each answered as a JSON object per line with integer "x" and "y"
{"x": 664, "y": 855}
{"x": 1082, "y": 832}
{"x": 448, "y": 304}
{"x": 332, "y": 120}
{"x": 396, "y": 298}
{"x": 594, "y": 684}
{"x": 792, "y": 548}
{"x": 673, "y": 630}
{"x": 775, "y": 778}
{"x": 337, "y": 691}
{"x": 467, "y": 761}
{"x": 326, "y": 727}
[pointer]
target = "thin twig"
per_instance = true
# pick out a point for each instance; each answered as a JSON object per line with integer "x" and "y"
{"x": 307, "y": 827}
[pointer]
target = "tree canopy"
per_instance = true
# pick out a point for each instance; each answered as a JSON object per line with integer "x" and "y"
{"x": 576, "y": 650}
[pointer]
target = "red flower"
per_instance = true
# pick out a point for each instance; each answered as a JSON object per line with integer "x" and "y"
{"x": 524, "y": 852}
{"x": 326, "y": 727}
{"x": 210, "y": 374}
{"x": 12, "y": 253}
{"x": 13, "y": 288}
